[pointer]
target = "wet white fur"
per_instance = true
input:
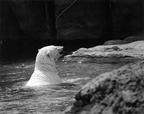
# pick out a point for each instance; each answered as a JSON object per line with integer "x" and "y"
{"x": 45, "y": 68}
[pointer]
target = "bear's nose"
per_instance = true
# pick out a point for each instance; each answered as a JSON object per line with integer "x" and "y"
{"x": 62, "y": 52}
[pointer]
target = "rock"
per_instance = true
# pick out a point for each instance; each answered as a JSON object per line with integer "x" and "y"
{"x": 9, "y": 28}
{"x": 118, "y": 92}
{"x": 128, "y": 17}
{"x": 99, "y": 20}
{"x": 114, "y": 42}
{"x": 76, "y": 19}
{"x": 133, "y": 38}
{"x": 125, "y": 41}
{"x": 131, "y": 51}
{"x": 33, "y": 18}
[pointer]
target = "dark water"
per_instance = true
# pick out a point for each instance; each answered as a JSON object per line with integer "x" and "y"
{"x": 15, "y": 98}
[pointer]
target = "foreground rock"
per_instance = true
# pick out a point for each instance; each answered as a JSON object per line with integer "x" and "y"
{"x": 109, "y": 53}
{"x": 118, "y": 92}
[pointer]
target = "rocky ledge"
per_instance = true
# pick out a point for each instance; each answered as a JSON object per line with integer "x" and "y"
{"x": 118, "y": 92}
{"x": 109, "y": 53}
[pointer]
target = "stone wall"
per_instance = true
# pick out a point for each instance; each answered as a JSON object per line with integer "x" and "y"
{"x": 83, "y": 20}
{"x": 128, "y": 17}
{"x": 27, "y": 24}
{"x": 71, "y": 19}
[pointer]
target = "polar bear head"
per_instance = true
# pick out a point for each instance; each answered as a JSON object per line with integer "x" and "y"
{"x": 49, "y": 54}
{"x": 53, "y": 52}
{"x": 45, "y": 69}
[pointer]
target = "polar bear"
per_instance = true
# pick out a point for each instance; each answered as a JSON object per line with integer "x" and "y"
{"x": 45, "y": 68}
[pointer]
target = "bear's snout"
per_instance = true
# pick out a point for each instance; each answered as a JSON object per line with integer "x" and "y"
{"x": 62, "y": 52}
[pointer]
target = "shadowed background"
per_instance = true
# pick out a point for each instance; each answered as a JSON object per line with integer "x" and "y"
{"x": 26, "y": 25}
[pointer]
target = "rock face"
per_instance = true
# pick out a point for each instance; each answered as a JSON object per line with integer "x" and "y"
{"x": 32, "y": 18}
{"x": 134, "y": 38}
{"x": 99, "y": 20}
{"x": 9, "y": 28}
{"x": 26, "y": 19}
{"x": 82, "y": 19}
{"x": 118, "y": 92}
{"x": 131, "y": 51}
{"x": 128, "y": 17}
{"x": 125, "y": 41}
{"x": 114, "y": 42}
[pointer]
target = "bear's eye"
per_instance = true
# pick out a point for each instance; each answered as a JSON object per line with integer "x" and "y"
{"x": 48, "y": 55}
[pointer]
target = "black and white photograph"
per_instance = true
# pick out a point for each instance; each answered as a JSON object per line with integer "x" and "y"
{"x": 71, "y": 56}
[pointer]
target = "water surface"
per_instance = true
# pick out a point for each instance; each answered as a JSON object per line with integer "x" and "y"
{"x": 15, "y": 98}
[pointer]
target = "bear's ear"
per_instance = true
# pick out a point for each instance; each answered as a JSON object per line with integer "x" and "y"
{"x": 49, "y": 56}
{"x": 38, "y": 50}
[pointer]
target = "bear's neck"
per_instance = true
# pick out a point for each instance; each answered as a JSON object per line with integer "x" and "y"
{"x": 44, "y": 64}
